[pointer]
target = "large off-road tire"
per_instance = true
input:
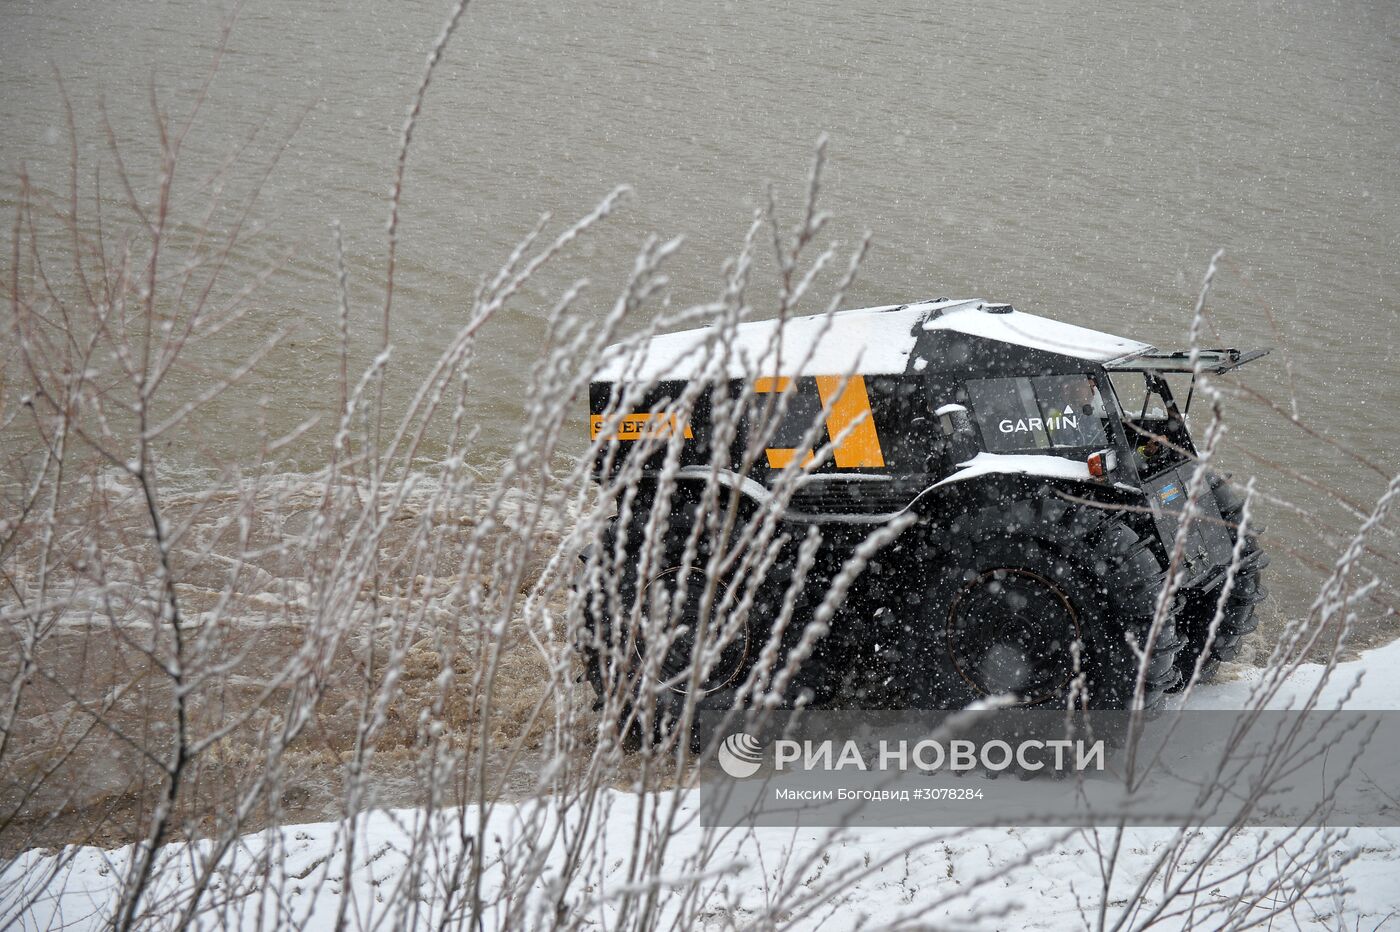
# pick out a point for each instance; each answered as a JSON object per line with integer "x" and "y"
{"x": 616, "y": 654}
{"x": 1239, "y": 617}
{"x": 1012, "y": 592}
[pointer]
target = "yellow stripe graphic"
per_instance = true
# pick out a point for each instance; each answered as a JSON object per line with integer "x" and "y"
{"x": 779, "y": 457}
{"x": 862, "y": 445}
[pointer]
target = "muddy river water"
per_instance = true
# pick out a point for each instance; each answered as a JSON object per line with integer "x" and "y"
{"x": 1079, "y": 162}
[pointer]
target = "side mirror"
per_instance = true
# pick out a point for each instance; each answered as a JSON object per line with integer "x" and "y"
{"x": 959, "y": 433}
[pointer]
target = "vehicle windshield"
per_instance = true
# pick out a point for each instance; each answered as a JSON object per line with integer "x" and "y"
{"x": 1156, "y": 429}
{"x": 1042, "y": 413}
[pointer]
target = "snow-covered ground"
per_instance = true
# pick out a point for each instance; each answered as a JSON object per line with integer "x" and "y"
{"x": 1044, "y": 878}
{"x": 1375, "y": 679}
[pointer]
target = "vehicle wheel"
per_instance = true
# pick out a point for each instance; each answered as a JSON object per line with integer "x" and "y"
{"x": 1014, "y": 588}
{"x": 1239, "y": 618}
{"x": 618, "y": 656}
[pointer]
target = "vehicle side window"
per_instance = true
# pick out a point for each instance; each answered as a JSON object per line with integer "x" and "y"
{"x": 1049, "y": 412}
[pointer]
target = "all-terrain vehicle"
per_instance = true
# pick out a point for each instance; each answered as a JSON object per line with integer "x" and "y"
{"x": 1046, "y": 466}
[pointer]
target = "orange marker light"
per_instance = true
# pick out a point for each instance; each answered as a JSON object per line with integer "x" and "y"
{"x": 1102, "y": 463}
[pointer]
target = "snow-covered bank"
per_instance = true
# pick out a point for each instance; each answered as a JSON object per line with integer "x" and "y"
{"x": 1372, "y": 681}
{"x": 937, "y": 882}
{"x": 1041, "y": 878}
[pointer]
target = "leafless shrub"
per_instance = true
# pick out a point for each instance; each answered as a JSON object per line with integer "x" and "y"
{"x": 211, "y": 659}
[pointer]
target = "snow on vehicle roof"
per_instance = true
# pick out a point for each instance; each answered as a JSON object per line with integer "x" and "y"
{"x": 1042, "y": 333}
{"x": 872, "y": 341}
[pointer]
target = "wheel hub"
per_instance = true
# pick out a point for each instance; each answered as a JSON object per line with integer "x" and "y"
{"x": 1010, "y": 632}
{"x": 659, "y": 597}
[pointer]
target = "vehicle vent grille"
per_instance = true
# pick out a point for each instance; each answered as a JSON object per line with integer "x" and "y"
{"x": 853, "y": 496}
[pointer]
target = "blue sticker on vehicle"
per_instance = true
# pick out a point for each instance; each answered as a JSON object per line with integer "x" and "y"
{"x": 1169, "y": 493}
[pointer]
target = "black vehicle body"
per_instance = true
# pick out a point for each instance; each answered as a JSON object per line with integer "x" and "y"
{"x": 999, "y": 427}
